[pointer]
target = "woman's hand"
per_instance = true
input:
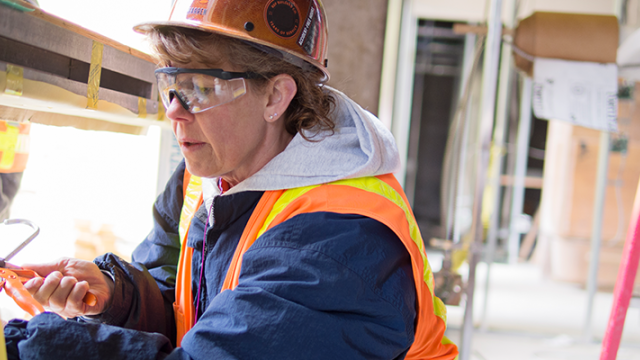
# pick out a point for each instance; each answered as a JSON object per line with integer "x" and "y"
{"x": 64, "y": 284}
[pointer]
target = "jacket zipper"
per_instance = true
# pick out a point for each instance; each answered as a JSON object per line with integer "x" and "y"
{"x": 201, "y": 288}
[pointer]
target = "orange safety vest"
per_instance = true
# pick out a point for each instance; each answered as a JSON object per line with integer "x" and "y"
{"x": 380, "y": 198}
{"x": 14, "y": 146}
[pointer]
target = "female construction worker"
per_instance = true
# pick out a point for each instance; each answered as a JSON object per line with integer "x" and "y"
{"x": 304, "y": 246}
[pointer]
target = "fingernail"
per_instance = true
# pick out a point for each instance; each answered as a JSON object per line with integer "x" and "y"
{"x": 35, "y": 282}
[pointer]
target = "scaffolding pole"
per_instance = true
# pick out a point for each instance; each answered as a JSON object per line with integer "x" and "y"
{"x": 596, "y": 230}
{"x": 489, "y": 84}
{"x": 502, "y": 119}
{"x": 522, "y": 154}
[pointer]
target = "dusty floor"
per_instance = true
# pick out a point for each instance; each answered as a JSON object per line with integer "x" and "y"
{"x": 530, "y": 317}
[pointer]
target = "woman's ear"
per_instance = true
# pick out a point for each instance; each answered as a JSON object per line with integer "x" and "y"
{"x": 281, "y": 90}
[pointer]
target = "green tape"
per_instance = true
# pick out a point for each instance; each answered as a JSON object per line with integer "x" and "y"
{"x": 16, "y": 6}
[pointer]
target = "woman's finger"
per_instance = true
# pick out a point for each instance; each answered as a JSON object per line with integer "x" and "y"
{"x": 75, "y": 305}
{"x": 49, "y": 285}
{"x": 58, "y": 299}
{"x": 34, "y": 285}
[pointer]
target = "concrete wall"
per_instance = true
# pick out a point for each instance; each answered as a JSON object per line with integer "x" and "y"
{"x": 356, "y": 42}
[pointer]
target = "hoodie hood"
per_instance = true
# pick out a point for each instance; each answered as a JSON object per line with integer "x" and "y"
{"x": 359, "y": 146}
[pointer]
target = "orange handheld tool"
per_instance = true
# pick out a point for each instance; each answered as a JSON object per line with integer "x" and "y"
{"x": 12, "y": 281}
{"x": 12, "y": 278}
{"x": 13, "y": 284}
{"x": 15, "y": 288}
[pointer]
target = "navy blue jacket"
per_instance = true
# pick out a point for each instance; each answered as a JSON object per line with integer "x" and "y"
{"x": 318, "y": 286}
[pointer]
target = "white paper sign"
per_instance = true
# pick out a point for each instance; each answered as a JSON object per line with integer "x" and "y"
{"x": 579, "y": 92}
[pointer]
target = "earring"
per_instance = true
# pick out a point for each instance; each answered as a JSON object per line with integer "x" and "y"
{"x": 272, "y": 116}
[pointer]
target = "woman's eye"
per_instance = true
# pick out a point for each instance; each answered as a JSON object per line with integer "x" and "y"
{"x": 185, "y": 85}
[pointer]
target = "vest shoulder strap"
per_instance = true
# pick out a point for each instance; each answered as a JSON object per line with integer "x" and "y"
{"x": 183, "y": 309}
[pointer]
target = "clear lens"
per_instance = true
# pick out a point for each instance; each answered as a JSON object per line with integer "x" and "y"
{"x": 198, "y": 91}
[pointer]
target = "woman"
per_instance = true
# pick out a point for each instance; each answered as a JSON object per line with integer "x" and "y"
{"x": 303, "y": 246}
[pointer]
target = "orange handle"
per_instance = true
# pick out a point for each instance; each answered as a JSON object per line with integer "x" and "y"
{"x": 15, "y": 289}
{"x": 90, "y": 299}
{"x": 24, "y": 275}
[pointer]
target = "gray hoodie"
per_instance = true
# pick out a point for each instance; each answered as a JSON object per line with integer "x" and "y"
{"x": 360, "y": 146}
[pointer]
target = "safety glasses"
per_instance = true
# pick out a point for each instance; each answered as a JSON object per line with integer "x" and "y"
{"x": 199, "y": 90}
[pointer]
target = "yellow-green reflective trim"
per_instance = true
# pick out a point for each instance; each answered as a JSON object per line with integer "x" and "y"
{"x": 285, "y": 199}
{"x": 446, "y": 341}
{"x": 194, "y": 189}
{"x": 376, "y": 186}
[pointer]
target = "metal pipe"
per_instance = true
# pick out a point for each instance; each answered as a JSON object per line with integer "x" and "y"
{"x": 390, "y": 56}
{"x": 522, "y": 154}
{"x": 36, "y": 231}
{"x": 596, "y": 230}
{"x": 404, "y": 87}
{"x": 489, "y": 84}
{"x": 414, "y": 140}
{"x": 502, "y": 116}
{"x": 456, "y": 191}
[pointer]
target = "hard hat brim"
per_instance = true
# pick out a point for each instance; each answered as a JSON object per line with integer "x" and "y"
{"x": 145, "y": 28}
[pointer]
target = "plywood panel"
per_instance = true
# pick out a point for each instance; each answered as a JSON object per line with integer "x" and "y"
{"x": 356, "y": 40}
{"x": 570, "y": 261}
{"x": 571, "y": 162}
{"x": 585, "y": 147}
{"x": 623, "y": 176}
{"x": 573, "y": 190}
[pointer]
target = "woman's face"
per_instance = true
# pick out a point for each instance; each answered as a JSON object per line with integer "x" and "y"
{"x": 233, "y": 140}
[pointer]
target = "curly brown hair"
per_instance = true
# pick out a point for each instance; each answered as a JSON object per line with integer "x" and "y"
{"x": 310, "y": 108}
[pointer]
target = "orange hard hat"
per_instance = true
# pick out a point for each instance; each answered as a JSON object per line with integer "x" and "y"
{"x": 296, "y": 29}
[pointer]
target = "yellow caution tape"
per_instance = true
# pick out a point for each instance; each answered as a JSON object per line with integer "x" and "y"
{"x": 93, "y": 85}
{"x": 142, "y": 107}
{"x": 15, "y": 82}
{"x": 161, "y": 111}
{"x": 8, "y": 142}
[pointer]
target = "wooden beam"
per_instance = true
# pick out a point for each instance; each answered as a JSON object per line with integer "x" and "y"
{"x": 530, "y": 182}
{"x": 38, "y": 13}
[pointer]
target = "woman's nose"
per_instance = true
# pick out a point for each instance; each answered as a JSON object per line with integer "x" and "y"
{"x": 176, "y": 111}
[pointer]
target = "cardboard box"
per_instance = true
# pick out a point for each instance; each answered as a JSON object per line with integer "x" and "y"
{"x": 578, "y": 37}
